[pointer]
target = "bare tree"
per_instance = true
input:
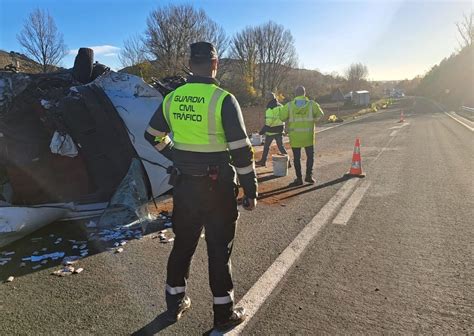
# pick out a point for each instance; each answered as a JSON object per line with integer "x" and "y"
{"x": 41, "y": 39}
{"x": 267, "y": 50}
{"x": 170, "y": 31}
{"x": 216, "y": 35}
{"x": 243, "y": 48}
{"x": 133, "y": 51}
{"x": 356, "y": 74}
{"x": 276, "y": 55}
{"x": 466, "y": 30}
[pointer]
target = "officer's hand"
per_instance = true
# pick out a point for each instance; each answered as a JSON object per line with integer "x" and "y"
{"x": 249, "y": 203}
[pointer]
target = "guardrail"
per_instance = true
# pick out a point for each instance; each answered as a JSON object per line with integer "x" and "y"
{"x": 467, "y": 109}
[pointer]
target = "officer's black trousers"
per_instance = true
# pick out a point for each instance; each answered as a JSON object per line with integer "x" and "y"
{"x": 268, "y": 141}
{"x": 309, "y": 160}
{"x": 200, "y": 202}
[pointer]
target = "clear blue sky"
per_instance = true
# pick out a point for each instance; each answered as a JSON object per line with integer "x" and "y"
{"x": 395, "y": 39}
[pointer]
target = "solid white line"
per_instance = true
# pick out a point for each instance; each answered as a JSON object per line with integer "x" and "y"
{"x": 459, "y": 120}
{"x": 401, "y": 126}
{"x": 352, "y": 203}
{"x": 393, "y": 133}
{"x": 261, "y": 290}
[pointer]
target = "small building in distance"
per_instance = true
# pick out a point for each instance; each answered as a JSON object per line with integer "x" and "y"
{"x": 337, "y": 95}
{"x": 361, "y": 98}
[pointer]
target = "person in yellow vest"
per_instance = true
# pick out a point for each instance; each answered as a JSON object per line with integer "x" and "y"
{"x": 301, "y": 115}
{"x": 208, "y": 141}
{"x": 273, "y": 129}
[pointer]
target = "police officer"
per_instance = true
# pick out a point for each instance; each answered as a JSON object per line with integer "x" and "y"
{"x": 301, "y": 114}
{"x": 273, "y": 129}
{"x": 209, "y": 135}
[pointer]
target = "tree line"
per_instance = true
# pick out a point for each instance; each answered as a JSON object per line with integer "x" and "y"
{"x": 253, "y": 61}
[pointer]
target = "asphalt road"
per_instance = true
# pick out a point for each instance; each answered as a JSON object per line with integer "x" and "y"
{"x": 400, "y": 262}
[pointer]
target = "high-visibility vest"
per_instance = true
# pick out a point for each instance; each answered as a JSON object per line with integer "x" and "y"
{"x": 301, "y": 123}
{"x": 272, "y": 119}
{"x": 193, "y": 113}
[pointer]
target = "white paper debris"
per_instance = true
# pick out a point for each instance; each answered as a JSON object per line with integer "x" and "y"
{"x": 78, "y": 270}
{"x": 119, "y": 250}
{"x": 10, "y": 279}
{"x": 70, "y": 260}
{"x": 66, "y": 270}
{"x": 63, "y": 145}
{"x": 91, "y": 224}
{"x": 54, "y": 256}
{"x": 46, "y": 104}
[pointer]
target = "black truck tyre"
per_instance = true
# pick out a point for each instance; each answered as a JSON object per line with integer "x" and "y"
{"x": 83, "y": 64}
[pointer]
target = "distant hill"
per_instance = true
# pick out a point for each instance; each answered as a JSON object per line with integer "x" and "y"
{"x": 26, "y": 64}
{"x": 451, "y": 81}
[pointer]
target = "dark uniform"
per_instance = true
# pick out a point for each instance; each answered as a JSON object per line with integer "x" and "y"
{"x": 273, "y": 130}
{"x": 209, "y": 141}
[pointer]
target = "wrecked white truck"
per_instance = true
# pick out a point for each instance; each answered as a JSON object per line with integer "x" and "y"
{"x": 72, "y": 146}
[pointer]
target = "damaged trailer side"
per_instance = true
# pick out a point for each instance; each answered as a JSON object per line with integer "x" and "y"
{"x": 105, "y": 120}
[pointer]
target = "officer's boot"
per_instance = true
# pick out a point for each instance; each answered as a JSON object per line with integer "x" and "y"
{"x": 238, "y": 316}
{"x": 261, "y": 163}
{"x": 309, "y": 179}
{"x": 177, "y": 306}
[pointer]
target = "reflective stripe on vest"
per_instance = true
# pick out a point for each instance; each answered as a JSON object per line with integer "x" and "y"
{"x": 301, "y": 129}
{"x": 272, "y": 118}
{"x": 308, "y": 117}
{"x": 193, "y": 113}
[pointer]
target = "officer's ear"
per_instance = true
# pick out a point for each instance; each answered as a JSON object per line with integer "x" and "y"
{"x": 214, "y": 64}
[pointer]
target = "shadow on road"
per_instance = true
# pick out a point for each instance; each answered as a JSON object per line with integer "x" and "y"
{"x": 299, "y": 190}
{"x": 159, "y": 323}
{"x": 320, "y": 186}
{"x": 266, "y": 178}
{"x": 279, "y": 191}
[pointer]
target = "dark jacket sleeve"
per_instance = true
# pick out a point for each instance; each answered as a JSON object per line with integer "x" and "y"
{"x": 239, "y": 145}
{"x": 156, "y": 133}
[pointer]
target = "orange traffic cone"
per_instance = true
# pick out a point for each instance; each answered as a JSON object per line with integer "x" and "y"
{"x": 356, "y": 166}
{"x": 402, "y": 117}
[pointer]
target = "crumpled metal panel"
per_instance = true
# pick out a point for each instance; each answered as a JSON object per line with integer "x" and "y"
{"x": 127, "y": 201}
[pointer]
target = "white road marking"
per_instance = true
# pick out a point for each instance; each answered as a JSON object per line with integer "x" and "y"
{"x": 400, "y": 126}
{"x": 393, "y": 133}
{"x": 463, "y": 121}
{"x": 261, "y": 290}
{"x": 352, "y": 203}
{"x": 265, "y": 285}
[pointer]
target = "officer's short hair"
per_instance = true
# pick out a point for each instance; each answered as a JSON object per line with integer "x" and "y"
{"x": 202, "y": 52}
{"x": 300, "y": 90}
{"x": 201, "y": 55}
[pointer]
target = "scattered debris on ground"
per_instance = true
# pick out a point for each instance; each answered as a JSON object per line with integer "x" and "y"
{"x": 67, "y": 250}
